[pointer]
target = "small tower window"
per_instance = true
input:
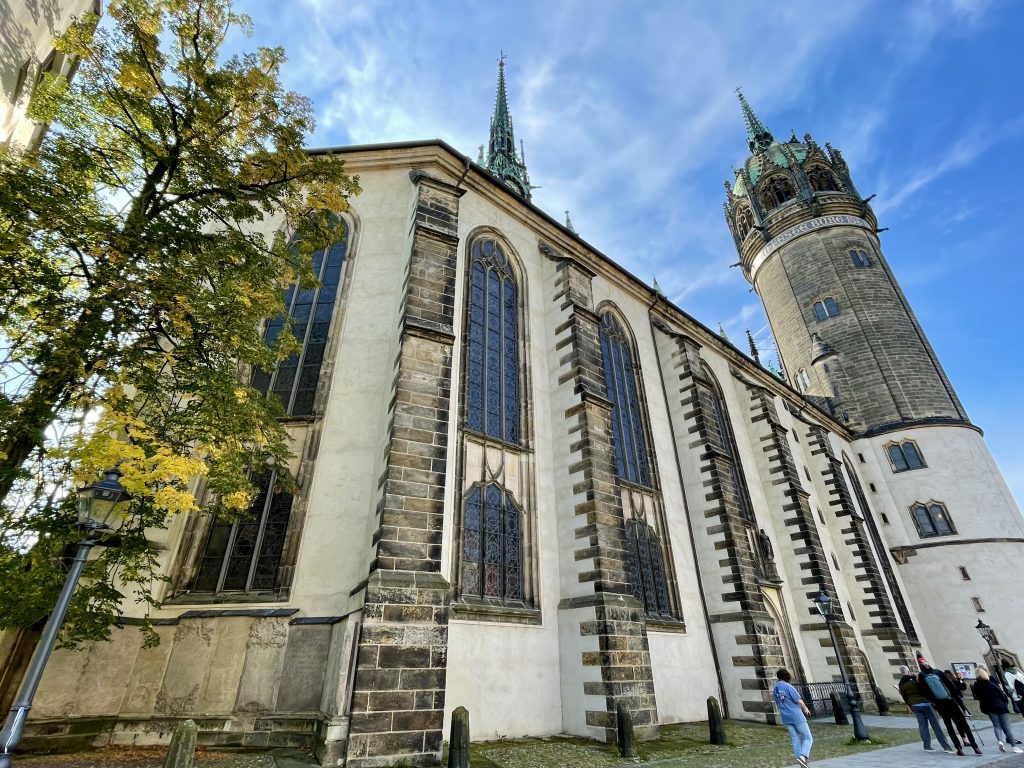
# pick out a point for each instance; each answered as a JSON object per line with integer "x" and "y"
{"x": 822, "y": 180}
{"x": 904, "y": 456}
{"x": 803, "y": 381}
{"x": 964, "y": 574}
{"x": 826, "y": 308}
{"x": 977, "y": 604}
{"x": 776, "y": 191}
{"x": 860, "y": 259}
{"x": 932, "y": 520}
{"x": 744, "y": 222}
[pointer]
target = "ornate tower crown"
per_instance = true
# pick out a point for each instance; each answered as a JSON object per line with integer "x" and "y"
{"x": 502, "y": 159}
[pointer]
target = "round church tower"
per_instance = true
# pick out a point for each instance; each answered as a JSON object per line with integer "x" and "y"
{"x": 848, "y": 339}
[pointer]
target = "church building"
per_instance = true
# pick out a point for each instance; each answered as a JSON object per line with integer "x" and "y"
{"x": 532, "y": 486}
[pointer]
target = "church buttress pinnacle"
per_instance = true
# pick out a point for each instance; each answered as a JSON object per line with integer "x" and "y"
{"x": 502, "y": 159}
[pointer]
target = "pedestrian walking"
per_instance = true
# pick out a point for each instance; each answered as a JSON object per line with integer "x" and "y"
{"x": 993, "y": 702}
{"x": 1014, "y": 684}
{"x": 793, "y": 714}
{"x": 941, "y": 694}
{"x": 958, "y": 686}
{"x": 922, "y": 708}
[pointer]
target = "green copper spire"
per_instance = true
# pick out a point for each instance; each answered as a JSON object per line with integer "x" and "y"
{"x": 502, "y": 159}
{"x": 568, "y": 224}
{"x": 758, "y": 137}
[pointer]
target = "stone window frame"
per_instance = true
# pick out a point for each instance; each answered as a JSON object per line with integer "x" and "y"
{"x": 935, "y": 511}
{"x": 610, "y": 310}
{"x": 818, "y": 171}
{"x": 773, "y": 189}
{"x": 802, "y": 380}
{"x": 826, "y": 308}
{"x": 894, "y": 465}
{"x": 196, "y": 529}
{"x": 743, "y": 221}
{"x": 291, "y": 296}
{"x": 976, "y": 602}
{"x": 859, "y": 258}
{"x": 469, "y": 606}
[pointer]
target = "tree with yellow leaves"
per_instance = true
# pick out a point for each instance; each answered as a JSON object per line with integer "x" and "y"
{"x": 134, "y": 276}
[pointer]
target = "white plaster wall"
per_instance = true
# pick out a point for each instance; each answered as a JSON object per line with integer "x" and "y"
{"x": 684, "y": 671}
{"x": 28, "y": 28}
{"x": 962, "y": 474}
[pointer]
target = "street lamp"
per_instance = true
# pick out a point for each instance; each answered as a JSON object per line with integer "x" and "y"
{"x": 986, "y": 632}
{"x": 98, "y": 505}
{"x": 824, "y": 605}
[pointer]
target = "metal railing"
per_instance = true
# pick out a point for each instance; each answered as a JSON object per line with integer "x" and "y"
{"x": 818, "y": 696}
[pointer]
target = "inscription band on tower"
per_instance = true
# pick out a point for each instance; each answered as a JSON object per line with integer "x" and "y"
{"x": 803, "y": 228}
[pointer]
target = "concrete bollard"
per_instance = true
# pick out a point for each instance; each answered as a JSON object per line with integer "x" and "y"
{"x": 182, "y": 751}
{"x": 624, "y": 731}
{"x": 881, "y": 702}
{"x": 837, "y": 709}
{"x": 458, "y": 740}
{"x": 716, "y": 727}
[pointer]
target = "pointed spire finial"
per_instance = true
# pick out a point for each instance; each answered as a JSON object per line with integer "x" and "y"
{"x": 657, "y": 288}
{"x": 758, "y": 137}
{"x": 722, "y": 333}
{"x": 568, "y": 223}
{"x": 502, "y": 159}
{"x": 480, "y": 157}
{"x": 753, "y": 347}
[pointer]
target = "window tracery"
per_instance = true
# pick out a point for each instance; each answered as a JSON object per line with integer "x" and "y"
{"x": 492, "y": 545}
{"x": 309, "y": 311}
{"x": 646, "y": 565}
{"x": 629, "y": 440}
{"x": 744, "y": 222}
{"x": 776, "y": 191}
{"x": 492, "y": 349}
{"x": 821, "y": 179}
{"x": 244, "y": 555}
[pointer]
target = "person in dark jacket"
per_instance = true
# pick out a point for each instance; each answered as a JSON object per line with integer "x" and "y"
{"x": 943, "y": 697}
{"x": 922, "y": 709}
{"x": 958, "y": 686}
{"x": 994, "y": 703}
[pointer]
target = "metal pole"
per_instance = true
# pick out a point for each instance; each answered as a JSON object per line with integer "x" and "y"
{"x": 859, "y": 731}
{"x": 10, "y": 736}
{"x": 998, "y": 672}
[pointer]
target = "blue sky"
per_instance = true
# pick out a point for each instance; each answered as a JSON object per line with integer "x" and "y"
{"x": 630, "y": 120}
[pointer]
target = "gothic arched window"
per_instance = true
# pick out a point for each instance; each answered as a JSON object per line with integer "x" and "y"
{"x": 646, "y": 565}
{"x": 776, "y": 191}
{"x": 492, "y": 345}
{"x": 295, "y": 379}
{"x": 620, "y": 376}
{"x": 744, "y": 222}
{"x": 821, "y": 179}
{"x": 244, "y": 555}
{"x": 932, "y": 519}
{"x": 491, "y": 545}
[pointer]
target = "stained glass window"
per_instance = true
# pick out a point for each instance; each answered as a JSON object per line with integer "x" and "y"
{"x": 244, "y": 555}
{"x": 647, "y": 569}
{"x": 295, "y": 379}
{"x": 492, "y": 545}
{"x": 620, "y": 376}
{"x": 492, "y": 345}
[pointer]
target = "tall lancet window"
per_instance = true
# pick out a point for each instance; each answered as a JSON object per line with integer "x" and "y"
{"x": 492, "y": 348}
{"x": 620, "y": 375}
{"x": 295, "y": 379}
{"x": 492, "y": 545}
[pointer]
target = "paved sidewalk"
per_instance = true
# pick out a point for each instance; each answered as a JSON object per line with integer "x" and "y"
{"x": 914, "y": 756}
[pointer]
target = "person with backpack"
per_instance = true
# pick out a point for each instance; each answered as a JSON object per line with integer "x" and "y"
{"x": 919, "y": 704}
{"x": 940, "y": 693}
{"x": 993, "y": 702}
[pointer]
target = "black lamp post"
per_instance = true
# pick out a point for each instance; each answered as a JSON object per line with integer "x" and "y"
{"x": 824, "y": 605}
{"x": 986, "y": 632}
{"x": 98, "y": 505}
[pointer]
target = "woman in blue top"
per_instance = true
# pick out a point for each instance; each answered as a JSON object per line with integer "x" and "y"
{"x": 793, "y": 713}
